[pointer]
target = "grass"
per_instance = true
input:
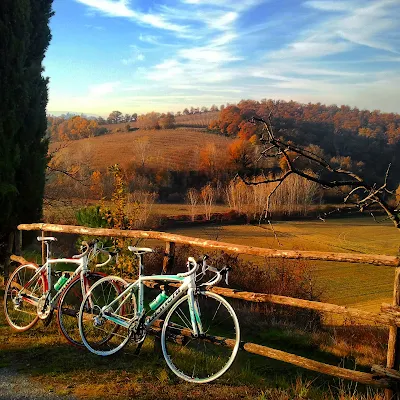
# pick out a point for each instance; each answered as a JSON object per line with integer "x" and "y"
{"x": 358, "y": 285}
{"x": 175, "y": 149}
{"x": 185, "y": 209}
{"x": 43, "y": 356}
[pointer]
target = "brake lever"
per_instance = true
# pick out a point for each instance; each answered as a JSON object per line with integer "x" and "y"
{"x": 203, "y": 267}
{"x": 226, "y": 278}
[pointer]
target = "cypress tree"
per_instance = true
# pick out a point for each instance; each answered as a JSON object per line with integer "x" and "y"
{"x": 24, "y": 38}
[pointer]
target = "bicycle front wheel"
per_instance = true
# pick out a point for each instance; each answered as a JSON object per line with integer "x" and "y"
{"x": 105, "y": 336}
{"x": 206, "y": 357}
{"x": 21, "y": 298}
{"x": 69, "y": 305}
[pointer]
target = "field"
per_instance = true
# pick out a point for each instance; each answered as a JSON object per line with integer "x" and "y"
{"x": 358, "y": 285}
{"x": 175, "y": 149}
{"x": 200, "y": 119}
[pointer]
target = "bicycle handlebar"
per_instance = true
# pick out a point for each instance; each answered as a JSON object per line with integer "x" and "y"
{"x": 190, "y": 261}
{"x": 77, "y": 256}
{"x": 107, "y": 261}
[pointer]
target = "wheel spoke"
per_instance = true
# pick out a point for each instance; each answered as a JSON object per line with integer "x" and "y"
{"x": 20, "y": 313}
{"x": 197, "y": 359}
{"x": 102, "y": 335}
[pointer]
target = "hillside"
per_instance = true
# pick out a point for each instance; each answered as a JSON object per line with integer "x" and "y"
{"x": 170, "y": 149}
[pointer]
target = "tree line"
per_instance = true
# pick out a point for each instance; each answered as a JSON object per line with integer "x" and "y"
{"x": 363, "y": 141}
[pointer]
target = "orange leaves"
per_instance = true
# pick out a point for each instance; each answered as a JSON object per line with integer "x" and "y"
{"x": 95, "y": 185}
{"x": 246, "y": 130}
{"x": 238, "y": 152}
{"x": 75, "y": 128}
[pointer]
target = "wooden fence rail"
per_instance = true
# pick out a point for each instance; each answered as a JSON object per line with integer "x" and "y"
{"x": 389, "y": 315}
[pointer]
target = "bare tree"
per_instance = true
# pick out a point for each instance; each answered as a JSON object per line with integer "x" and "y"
{"x": 192, "y": 198}
{"x": 141, "y": 147}
{"x": 292, "y": 159}
{"x": 208, "y": 196}
{"x": 139, "y": 207}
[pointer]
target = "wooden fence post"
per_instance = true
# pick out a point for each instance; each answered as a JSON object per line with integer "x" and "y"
{"x": 393, "y": 352}
{"x": 169, "y": 256}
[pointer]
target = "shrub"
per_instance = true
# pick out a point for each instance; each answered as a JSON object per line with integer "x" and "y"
{"x": 91, "y": 217}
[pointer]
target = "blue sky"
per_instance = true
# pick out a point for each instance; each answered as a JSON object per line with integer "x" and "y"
{"x": 140, "y": 56}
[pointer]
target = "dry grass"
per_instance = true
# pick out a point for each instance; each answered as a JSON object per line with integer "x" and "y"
{"x": 177, "y": 149}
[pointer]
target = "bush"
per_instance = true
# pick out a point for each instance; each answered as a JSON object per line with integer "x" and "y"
{"x": 91, "y": 217}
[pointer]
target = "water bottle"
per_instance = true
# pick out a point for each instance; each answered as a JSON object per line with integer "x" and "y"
{"x": 158, "y": 300}
{"x": 62, "y": 280}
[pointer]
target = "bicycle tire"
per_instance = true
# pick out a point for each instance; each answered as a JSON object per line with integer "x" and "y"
{"x": 102, "y": 336}
{"x": 69, "y": 305}
{"x": 22, "y": 316}
{"x": 186, "y": 355}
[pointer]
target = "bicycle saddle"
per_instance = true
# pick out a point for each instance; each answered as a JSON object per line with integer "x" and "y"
{"x": 140, "y": 250}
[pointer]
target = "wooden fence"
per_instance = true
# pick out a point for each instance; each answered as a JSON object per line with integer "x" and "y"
{"x": 385, "y": 377}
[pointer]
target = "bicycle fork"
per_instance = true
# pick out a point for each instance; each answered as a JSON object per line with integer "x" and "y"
{"x": 195, "y": 315}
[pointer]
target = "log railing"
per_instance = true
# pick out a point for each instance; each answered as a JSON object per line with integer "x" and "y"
{"x": 389, "y": 315}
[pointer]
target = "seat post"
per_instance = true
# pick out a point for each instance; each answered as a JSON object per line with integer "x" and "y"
{"x": 140, "y": 264}
{"x": 48, "y": 252}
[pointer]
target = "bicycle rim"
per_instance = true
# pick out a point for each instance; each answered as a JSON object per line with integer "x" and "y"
{"x": 20, "y": 314}
{"x": 100, "y": 335}
{"x": 208, "y": 356}
{"x": 69, "y": 305}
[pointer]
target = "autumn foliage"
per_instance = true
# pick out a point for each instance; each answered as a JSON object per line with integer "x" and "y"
{"x": 359, "y": 140}
{"x": 77, "y": 127}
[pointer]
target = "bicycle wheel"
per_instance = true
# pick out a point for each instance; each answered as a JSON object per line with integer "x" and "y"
{"x": 208, "y": 356}
{"x": 99, "y": 334}
{"x": 20, "y": 307}
{"x": 69, "y": 305}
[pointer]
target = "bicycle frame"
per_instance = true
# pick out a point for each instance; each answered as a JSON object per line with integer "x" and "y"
{"x": 188, "y": 285}
{"x": 45, "y": 272}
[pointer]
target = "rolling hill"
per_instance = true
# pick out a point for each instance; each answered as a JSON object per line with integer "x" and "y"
{"x": 174, "y": 149}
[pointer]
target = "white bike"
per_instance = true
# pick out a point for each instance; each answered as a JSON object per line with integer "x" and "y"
{"x": 200, "y": 334}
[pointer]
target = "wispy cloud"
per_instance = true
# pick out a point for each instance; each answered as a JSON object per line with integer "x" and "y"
{"x": 207, "y": 55}
{"x": 328, "y": 5}
{"x": 311, "y": 48}
{"x": 110, "y": 8}
{"x": 121, "y": 8}
{"x": 361, "y": 23}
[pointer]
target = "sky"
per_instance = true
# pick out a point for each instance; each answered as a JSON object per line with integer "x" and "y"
{"x": 144, "y": 55}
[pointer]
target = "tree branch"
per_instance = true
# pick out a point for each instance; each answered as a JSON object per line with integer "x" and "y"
{"x": 367, "y": 194}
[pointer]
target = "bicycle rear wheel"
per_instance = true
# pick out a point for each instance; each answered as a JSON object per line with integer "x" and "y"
{"x": 69, "y": 305}
{"x": 20, "y": 306}
{"x": 208, "y": 356}
{"x": 100, "y": 335}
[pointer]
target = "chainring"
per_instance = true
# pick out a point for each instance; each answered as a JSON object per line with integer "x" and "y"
{"x": 43, "y": 307}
